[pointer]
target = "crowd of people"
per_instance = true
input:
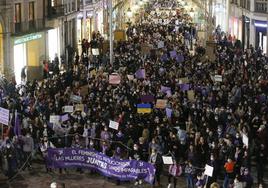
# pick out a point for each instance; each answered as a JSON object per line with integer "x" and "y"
{"x": 209, "y": 121}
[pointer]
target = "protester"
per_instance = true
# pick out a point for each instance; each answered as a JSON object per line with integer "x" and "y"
{"x": 213, "y": 111}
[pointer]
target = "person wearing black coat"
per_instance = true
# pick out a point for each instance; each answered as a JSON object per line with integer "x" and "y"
{"x": 156, "y": 159}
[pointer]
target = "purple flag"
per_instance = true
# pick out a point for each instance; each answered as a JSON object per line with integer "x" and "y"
{"x": 17, "y": 127}
{"x": 180, "y": 58}
{"x": 184, "y": 87}
{"x": 173, "y": 54}
{"x": 64, "y": 117}
{"x": 164, "y": 89}
{"x": 125, "y": 170}
{"x": 140, "y": 74}
{"x": 168, "y": 112}
{"x": 147, "y": 98}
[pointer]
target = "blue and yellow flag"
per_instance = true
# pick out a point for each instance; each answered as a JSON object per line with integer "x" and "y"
{"x": 144, "y": 108}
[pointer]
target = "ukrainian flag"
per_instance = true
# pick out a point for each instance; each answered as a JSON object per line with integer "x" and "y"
{"x": 144, "y": 108}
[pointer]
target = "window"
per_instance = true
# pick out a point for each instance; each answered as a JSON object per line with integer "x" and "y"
{"x": 17, "y": 13}
{"x": 53, "y": 3}
{"x": 31, "y": 11}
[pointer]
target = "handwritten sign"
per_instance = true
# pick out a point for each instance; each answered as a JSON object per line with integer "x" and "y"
{"x": 114, "y": 79}
{"x": 4, "y": 116}
{"x": 113, "y": 125}
{"x": 208, "y": 170}
{"x": 161, "y": 103}
{"x": 75, "y": 98}
{"x": 54, "y": 119}
{"x": 68, "y": 109}
{"x": 167, "y": 160}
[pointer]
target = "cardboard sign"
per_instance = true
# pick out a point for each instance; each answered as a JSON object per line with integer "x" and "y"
{"x": 208, "y": 170}
{"x": 95, "y": 51}
{"x": 68, "y": 109}
{"x": 183, "y": 80}
{"x": 54, "y": 119}
{"x": 218, "y": 78}
{"x": 184, "y": 87}
{"x": 113, "y": 125}
{"x": 245, "y": 139}
{"x": 4, "y": 116}
{"x": 75, "y": 98}
{"x": 161, "y": 103}
{"x": 79, "y": 107}
{"x": 145, "y": 49}
{"x": 84, "y": 90}
{"x": 114, "y": 79}
{"x": 190, "y": 95}
{"x": 167, "y": 160}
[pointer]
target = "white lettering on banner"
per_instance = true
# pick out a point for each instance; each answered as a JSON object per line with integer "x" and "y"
{"x": 97, "y": 162}
{"x": 4, "y": 116}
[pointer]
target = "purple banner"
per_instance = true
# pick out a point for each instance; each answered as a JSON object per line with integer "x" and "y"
{"x": 125, "y": 170}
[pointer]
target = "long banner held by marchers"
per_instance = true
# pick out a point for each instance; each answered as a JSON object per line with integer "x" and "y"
{"x": 125, "y": 170}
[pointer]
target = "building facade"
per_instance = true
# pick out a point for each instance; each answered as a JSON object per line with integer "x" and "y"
{"x": 248, "y": 22}
{"x": 32, "y": 31}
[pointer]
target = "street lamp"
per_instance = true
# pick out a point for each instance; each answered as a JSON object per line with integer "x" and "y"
{"x": 129, "y": 15}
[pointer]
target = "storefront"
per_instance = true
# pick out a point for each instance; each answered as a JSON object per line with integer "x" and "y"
{"x": 30, "y": 51}
{"x": 53, "y": 43}
{"x": 261, "y": 34}
{"x": 220, "y": 13}
{"x": 235, "y": 28}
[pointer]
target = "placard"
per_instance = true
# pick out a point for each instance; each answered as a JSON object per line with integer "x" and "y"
{"x": 245, "y": 139}
{"x": 130, "y": 77}
{"x": 183, "y": 80}
{"x": 114, "y": 79}
{"x": 218, "y": 78}
{"x": 79, "y": 107}
{"x": 68, "y": 109}
{"x": 113, "y": 125}
{"x": 4, "y": 116}
{"x": 161, "y": 103}
{"x": 208, "y": 170}
{"x": 76, "y": 98}
{"x": 95, "y": 51}
{"x": 64, "y": 118}
{"x": 190, "y": 95}
{"x": 54, "y": 119}
{"x": 160, "y": 44}
{"x": 167, "y": 160}
{"x": 168, "y": 112}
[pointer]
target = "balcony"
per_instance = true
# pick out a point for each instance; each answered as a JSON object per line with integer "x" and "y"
{"x": 29, "y": 27}
{"x": 55, "y": 12}
{"x": 261, "y": 7}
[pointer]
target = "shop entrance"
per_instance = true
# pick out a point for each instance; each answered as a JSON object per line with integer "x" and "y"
{"x": 19, "y": 60}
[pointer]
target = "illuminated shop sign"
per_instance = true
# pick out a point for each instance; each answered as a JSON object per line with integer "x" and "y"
{"x": 27, "y": 38}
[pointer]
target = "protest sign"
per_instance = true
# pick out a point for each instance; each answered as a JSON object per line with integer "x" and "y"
{"x": 84, "y": 90}
{"x": 54, "y": 119}
{"x": 161, "y": 103}
{"x": 4, "y": 116}
{"x": 183, "y": 80}
{"x": 68, "y": 109}
{"x": 140, "y": 74}
{"x": 65, "y": 117}
{"x": 125, "y": 170}
{"x": 167, "y": 160}
{"x": 79, "y": 107}
{"x": 75, "y": 98}
{"x": 208, "y": 170}
{"x": 184, "y": 87}
{"x": 245, "y": 139}
{"x": 173, "y": 54}
{"x": 190, "y": 95}
{"x": 168, "y": 112}
{"x": 113, "y": 125}
{"x": 218, "y": 78}
{"x": 114, "y": 79}
{"x": 160, "y": 44}
{"x": 95, "y": 51}
{"x": 165, "y": 89}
